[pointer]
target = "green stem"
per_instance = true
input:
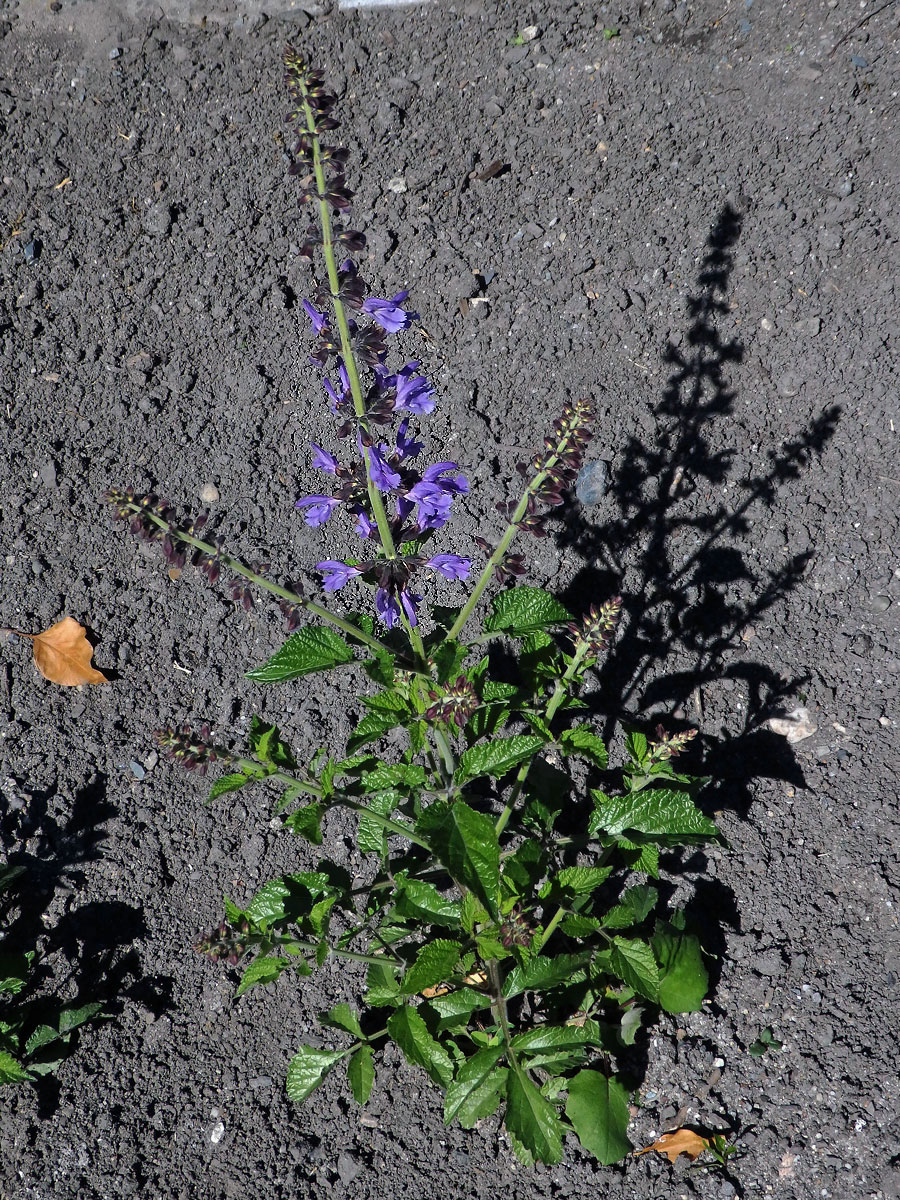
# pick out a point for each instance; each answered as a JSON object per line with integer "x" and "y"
{"x": 249, "y": 766}
{"x": 239, "y": 568}
{"x": 550, "y": 929}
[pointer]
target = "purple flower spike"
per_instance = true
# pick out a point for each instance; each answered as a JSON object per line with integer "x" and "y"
{"x": 414, "y": 393}
{"x": 388, "y": 313}
{"x": 382, "y": 475}
{"x": 317, "y": 320}
{"x": 318, "y": 509}
{"x": 432, "y": 474}
{"x": 451, "y": 566}
{"x": 336, "y": 574}
{"x": 323, "y": 461}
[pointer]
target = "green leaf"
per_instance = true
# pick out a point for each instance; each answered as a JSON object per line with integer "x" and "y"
{"x": 486, "y": 720}
{"x": 382, "y": 986}
{"x": 434, "y": 963}
{"x": 374, "y": 725}
{"x": 633, "y": 907}
{"x": 307, "y": 1069}
{"x": 476, "y": 1091}
{"x": 361, "y": 1073}
{"x": 630, "y": 1024}
{"x": 765, "y": 1042}
{"x": 421, "y": 901}
{"x": 543, "y": 972}
{"x": 465, "y": 842}
{"x": 581, "y": 881}
{"x": 633, "y": 962}
{"x": 306, "y": 822}
{"x": 583, "y": 742}
{"x": 557, "y": 1037}
{"x": 8, "y": 876}
{"x": 597, "y": 1106}
{"x": 448, "y": 657}
{"x": 262, "y": 970}
{"x": 14, "y": 970}
{"x": 43, "y": 1036}
{"x": 267, "y": 746}
{"x": 310, "y": 649}
{"x": 372, "y": 836}
{"x": 684, "y": 980}
{"x": 12, "y": 1071}
{"x": 530, "y": 1118}
{"x": 455, "y": 1008}
{"x": 342, "y": 1017}
{"x": 390, "y": 775}
{"x": 636, "y": 745}
{"x": 73, "y": 1018}
{"x": 655, "y": 811}
{"x": 496, "y": 757}
{"x": 227, "y": 783}
{"x": 523, "y": 610}
{"x": 411, "y": 1034}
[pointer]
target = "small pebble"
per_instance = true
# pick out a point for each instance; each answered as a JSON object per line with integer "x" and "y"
{"x": 209, "y": 493}
{"x": 795, "y": 726}
{"x": 592, "y": 481}
{"x": 136, "y": 769}
{"x": 115, "y": 53}
{"x": 151, "y": 760}
{"x": 397, "y": 185}
{"x": 48, "y": 475}
{"x": 158, "y": 219}
{"x": 880, "y": 603}
{"x": 32, "y": 251}
{"x": 859, "y": 61}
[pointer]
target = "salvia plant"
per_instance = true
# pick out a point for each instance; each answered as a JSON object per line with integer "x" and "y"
{"x": 509, "y": 924}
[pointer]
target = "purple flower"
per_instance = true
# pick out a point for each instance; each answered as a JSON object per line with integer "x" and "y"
{"x": 323, "y": 461}
{"x": 317, "y": 320}
{"x": 432, "y": 474}
{"x": 451, "y": 566}
{"x": 407, "y": 447}
{"x": 383, "y": 476}
{"x": 365, "y": 527}
{"x": 434, "y": 495}
{"x": 389, "y": 609}
{"x": 337, "y": 402}
{"x": 388, "y": 313}
{"x": 414, "y": 393}
{"x": 318, "y": 509}
{"x": 336, "y": 574}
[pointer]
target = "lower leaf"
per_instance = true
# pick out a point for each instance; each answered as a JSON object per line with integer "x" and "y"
{"x": 531, "y": 1119}
{"x": 308, "y": 1069}
{"x": 598, "y": 1109}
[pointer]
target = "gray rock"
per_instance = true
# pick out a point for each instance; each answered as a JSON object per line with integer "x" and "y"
{"x": 158, "y": 219}
{"x": 592, "y": 481}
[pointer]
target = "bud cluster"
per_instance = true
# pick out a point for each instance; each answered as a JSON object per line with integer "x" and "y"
{"x": 668, "y": 745}
{"x": 194, "y": 752}
{"x": 454, "y": 705}
{"x": 593, "y": 633}
{"x": 225, "y": 942}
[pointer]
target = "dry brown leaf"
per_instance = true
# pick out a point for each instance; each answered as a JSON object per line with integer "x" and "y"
{"x": 681, "y": 1141}
{"x": 63, "y": 654}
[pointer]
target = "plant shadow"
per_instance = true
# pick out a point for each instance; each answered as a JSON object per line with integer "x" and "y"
{"x": 86, "y": 954}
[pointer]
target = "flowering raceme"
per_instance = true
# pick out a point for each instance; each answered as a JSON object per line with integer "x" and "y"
{"x": 394, "y": 502}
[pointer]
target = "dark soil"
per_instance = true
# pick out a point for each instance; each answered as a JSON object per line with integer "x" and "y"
{"x": 696, "y": 224}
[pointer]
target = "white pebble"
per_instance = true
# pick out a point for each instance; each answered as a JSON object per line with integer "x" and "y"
{"x": 209, "y": 493}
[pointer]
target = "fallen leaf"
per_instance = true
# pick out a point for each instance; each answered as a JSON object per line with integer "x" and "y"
{"x": 63, "y": 654}
{"x": 682, "y": 1141}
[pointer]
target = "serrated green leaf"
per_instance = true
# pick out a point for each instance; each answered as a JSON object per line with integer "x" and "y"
{"x": 465, "y": 842}
{"x": 307, "y": 650}
{"x": 44, "y": 1035}
{"x": 558, "y": 1037}
{"x": 544, "y": 972}
{"x": 382, "y": 986}
{"x": 375, "y": 725}
{"x": 361, "y": 1073}
{"x": 435, "y": 962}
{"x": 11, "y": 1071}
{"x": 487, "y": 720}
{"x": 390, "y": 775}
{"x": 632, "y": 961}
{"x": 227, "y": 783}
{"x": 656, "y": 811}
{"x": 597, "y": 1106}
{"x": 477, "y": 1089}
{"x": 372, "y": 835}
{"x": 684, "y": 980}
{"x": 582, "y": 880}
{"x": 522, "y": 610}
{"x": 496, "y": 757}
{"x": 539, "y": 725}
{"x": 582, "y": 741}
{"x": 262, "y": 970}
{"x": 636, "y": 745}
{"x": 577, "y": 925}
{"x": 532, "y": 1119}
{"x": 422, "y": 901}
{"x": 73, "y": 1018}
{"x": 343, "y": 1017}
{"x": 633, "y": 907}
{"x": 411, "y": 1034}
{"x": 455, "y": 1008}
{"x": 307, "y": 1069}
{"x": 447, "y": 657}
{"x": 14, "y": 970}
{"x": 306, "y": 822}
{"x": 388, "y": 702}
